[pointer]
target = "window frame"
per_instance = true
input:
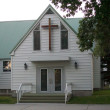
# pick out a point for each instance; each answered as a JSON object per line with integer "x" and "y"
{"x": 47, "y": 80}
{"x": 3, "y": 66}
{"x": 40, "y": 37}
{"x": 49, "y": 11}
{"x": 61, "y": 79}
{"x": 61, "y": 37}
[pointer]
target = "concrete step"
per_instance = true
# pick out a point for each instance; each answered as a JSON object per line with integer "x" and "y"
{"x": 42, "y": 101}
{"x": 45, "y": 95}
{"x": 42, "y": 98}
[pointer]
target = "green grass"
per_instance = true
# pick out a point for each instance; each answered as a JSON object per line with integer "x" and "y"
{"x": 98, "y": 97}
{"x": 102, "y": 92}
{"x": 7, "y": 100}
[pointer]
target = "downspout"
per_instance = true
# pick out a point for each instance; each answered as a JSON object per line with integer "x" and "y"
{"x": 92, "y": 72}
{"x": 11, "y": 70}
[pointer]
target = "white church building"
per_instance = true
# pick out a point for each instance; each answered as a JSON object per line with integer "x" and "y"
{"x": 46, "y": 57}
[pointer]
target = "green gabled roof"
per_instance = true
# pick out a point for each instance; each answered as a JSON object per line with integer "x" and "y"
{"x": 12, "y": 33}
{"x": 73, "y": 22}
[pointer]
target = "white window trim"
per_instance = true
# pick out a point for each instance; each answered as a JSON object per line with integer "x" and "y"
{"x": 54, "y": 80}
{"x": 2, "y": 67}
{"x": 33, "y": 38}
{"x": 60, "y": 37}
{"x": 40, "y": 80}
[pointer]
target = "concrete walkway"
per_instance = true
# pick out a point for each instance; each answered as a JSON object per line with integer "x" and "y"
{"x": 44, "y": 106}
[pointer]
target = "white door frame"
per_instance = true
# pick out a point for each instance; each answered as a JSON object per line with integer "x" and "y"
{"x": 50, "y": 87}
{"x": 47, "y": 80}
{"x": 54, "y": 80}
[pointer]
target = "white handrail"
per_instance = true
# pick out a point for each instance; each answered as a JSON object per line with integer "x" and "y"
{"x": 68, "y": 90}
{"x": 20, "y": 92}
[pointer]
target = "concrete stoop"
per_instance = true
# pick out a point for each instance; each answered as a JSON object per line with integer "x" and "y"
{"x": 42, "y": 98}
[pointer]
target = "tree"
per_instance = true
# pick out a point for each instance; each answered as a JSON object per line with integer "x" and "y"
{"x": 94, "y": 29}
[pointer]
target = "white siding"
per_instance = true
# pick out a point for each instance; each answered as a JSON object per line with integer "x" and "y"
{"x": 5, "y": 78}
{"x": 97, "y": 72}
{"x": 81, "y": 77}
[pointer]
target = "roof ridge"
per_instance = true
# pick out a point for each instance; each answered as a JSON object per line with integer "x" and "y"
{"x": 16, "y": 21}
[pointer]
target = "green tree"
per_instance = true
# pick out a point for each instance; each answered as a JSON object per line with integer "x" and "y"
{"x": 94, "y": 29}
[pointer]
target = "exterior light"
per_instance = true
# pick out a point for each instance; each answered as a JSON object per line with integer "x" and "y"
{"x": 25, "y": 66}
{"x": 76, "y": 65}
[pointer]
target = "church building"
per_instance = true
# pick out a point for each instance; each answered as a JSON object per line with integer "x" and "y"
{"x": 45, "y": 58}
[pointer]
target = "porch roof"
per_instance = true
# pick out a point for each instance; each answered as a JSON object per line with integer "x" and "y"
{"x": 49, "y": 58}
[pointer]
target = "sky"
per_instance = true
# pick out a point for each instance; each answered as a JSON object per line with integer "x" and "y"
{"x": 12, "y": 10}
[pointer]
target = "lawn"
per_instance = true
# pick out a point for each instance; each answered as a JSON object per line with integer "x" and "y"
{"x": 7, "y": 100}
{"x": 98, "y": 97}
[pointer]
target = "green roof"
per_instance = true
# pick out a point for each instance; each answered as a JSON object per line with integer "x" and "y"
{"x": 73, "y": 22}
{"x": 10, "y": 33}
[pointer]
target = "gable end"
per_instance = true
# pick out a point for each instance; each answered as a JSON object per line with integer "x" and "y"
{"x": 36, "y": 23}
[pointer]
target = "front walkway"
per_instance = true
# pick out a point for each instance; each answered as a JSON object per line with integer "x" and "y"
{"x": 47, "y": 106}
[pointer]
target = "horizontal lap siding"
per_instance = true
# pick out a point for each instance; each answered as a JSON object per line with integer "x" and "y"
{"x": 5, "y": 78}
{"x": 54, "y": 34}
{"x": 20, "y": 75}
{"x": 81, "y": 77}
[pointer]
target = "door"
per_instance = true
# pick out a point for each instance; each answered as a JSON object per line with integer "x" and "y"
{"x": 51, "y": 80}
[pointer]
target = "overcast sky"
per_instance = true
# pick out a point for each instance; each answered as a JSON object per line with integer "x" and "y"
{"x": 25, "y": 9}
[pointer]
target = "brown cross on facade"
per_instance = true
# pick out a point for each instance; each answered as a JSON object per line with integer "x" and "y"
{"x": 49, "y": 27}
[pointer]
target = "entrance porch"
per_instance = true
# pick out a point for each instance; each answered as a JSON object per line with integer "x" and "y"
{"x": 50, "y": 84}
{"x": 50, "y": 73}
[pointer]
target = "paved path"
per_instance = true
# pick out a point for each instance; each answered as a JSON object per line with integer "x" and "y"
{"x": 45, "y": 106}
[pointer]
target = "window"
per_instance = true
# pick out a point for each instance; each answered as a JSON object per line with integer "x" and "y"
{"x": 64, "y": 37}
{"x": 6, "y": 66}
{"x": 57, "y": 79}
{"x": 37, "y": 38}
{"x": 43, "y": 79}
{"x": 49, "y": 12}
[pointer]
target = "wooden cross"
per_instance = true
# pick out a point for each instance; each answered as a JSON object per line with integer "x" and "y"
{"x": 49, "y": 27}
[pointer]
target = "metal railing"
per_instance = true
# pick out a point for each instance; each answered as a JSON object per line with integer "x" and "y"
{"x": 23, "y": 88}
{"x": 68, "y": 91}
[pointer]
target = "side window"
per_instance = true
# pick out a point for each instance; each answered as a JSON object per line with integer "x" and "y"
{"x": 6, "y": 66}
{"x": 64, "y": 37}
{"x": 36, "y": 38}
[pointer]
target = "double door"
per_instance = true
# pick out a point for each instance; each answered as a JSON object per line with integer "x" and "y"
{"x": 51, "y": 80}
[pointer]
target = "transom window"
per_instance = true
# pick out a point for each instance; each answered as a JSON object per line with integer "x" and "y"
{"x": 64, "y": 37}
{"x": 37, "y": 38}
{"x": 6, "y": 66}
